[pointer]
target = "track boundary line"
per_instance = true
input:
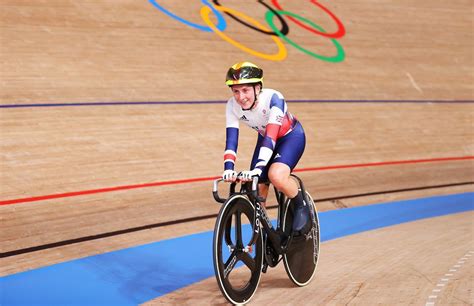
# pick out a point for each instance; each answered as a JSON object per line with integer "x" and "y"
{"x": 194, "y": 180}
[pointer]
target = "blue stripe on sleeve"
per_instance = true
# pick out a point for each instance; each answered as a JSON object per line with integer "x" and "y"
{"x": 276, "y": 101}
{"x": 268, "y": 142}
{"x": 232, "y": 139}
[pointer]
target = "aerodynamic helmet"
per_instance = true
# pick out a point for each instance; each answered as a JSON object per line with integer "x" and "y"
{"x": 244, "y": 73}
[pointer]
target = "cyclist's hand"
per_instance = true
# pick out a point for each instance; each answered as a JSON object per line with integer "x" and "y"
{"x": 247, "y": 176}
{"x": 229, "y": 175}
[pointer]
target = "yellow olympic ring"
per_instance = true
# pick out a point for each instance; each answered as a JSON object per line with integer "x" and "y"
{"x": 281, "y": 55}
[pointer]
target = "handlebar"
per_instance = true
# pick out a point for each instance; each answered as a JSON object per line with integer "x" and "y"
{"x": 215, "y": 192}
{"x": 253, "y": 191}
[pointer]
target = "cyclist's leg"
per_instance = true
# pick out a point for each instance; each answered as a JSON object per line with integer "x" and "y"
{"x": 286, "y": 155}
{"x": 288, "y": 152}
{"x": 279, "y": 175}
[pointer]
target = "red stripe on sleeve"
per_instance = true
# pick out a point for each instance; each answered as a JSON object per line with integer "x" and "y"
{"x": 272, "y": 131}
{"x": 229, "y": 156}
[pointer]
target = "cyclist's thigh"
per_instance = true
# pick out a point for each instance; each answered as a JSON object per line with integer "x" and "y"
{"x": 289, "y": 149}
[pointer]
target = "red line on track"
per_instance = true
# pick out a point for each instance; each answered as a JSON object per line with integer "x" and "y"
{"x": 387, "y": 163}
{"x": 194, "y": 180}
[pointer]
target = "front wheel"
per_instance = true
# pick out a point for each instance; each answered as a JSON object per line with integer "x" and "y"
{"x": 301, "y": 258}
{"x": 237, "y": 267}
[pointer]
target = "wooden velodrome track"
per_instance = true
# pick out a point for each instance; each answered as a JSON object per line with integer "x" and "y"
{"x": 390, "y": 119}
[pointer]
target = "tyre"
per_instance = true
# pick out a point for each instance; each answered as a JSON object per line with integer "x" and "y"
{"x": 301, "y": 258}
{"x": 237, "y": 271}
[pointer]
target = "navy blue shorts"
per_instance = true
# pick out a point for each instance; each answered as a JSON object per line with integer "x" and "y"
{"x": 288, "y": 150}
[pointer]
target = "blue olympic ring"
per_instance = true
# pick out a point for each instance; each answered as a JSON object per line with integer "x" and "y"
{"x": 221, "y": 23}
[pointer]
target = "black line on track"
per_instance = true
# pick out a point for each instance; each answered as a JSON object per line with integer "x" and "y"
{"x": 204, "y": 217}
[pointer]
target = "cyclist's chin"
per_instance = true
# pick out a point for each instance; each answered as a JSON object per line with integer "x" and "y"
{"x": 245, "y": 105}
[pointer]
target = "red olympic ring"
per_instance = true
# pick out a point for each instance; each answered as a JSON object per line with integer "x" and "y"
{"x": 341, "y": 31}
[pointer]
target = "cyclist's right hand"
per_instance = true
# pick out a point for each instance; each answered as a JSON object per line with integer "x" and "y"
{"x": 229, "y": 176}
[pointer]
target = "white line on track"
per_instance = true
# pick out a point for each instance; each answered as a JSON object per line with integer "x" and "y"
{"x": 445, "y": 279}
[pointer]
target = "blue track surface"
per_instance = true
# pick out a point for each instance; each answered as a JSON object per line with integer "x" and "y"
{"x": 139, "y": 274}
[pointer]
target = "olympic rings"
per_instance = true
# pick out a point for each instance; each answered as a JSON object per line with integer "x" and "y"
{"x": 339, "y": 33}
{"x": 221, "y": 25}
{"x": 340, "y": 52}
{"x": 281, "y": 55}
{"x": 276, "y": 34}
{"x": 285, "y": 29}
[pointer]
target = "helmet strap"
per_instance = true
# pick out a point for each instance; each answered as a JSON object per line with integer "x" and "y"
{"x": 254, "y": 100}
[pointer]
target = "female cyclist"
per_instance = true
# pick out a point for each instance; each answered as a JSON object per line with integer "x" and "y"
{"x": 281, "y": 139}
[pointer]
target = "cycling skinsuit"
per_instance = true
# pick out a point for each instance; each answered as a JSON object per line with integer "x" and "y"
{"x": 281, "y": 137}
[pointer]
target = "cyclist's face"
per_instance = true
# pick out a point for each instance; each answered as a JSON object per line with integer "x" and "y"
{"x": 244, "y": 94}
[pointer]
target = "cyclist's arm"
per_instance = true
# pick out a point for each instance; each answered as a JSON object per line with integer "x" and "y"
{"x": 232, "y": 138}
{"x": 272, "y": 130}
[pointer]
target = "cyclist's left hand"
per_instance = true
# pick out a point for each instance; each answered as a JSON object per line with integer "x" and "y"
{"x": 247, "y": 176}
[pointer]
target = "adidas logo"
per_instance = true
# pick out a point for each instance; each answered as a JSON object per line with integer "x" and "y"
{"x": 244, "y": 118}
{"x": 277, "y": 155}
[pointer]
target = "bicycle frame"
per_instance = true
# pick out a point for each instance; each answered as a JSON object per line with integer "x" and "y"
{"x": 260, "y": 217}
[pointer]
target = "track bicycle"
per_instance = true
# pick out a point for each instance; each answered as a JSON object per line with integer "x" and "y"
{"x": 246, "y": 242}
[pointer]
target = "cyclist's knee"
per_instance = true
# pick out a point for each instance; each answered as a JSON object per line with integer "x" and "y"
{"x": 279, "y": 176}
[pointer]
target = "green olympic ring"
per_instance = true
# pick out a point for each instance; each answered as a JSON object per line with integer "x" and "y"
{"x": 339, "y": 57}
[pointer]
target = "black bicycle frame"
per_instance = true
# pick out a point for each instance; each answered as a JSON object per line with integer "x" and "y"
{"x": 260, "y": 214}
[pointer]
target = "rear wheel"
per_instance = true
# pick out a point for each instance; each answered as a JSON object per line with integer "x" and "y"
{"x": 237, "y": 268}
{"x": 301, "y": 258}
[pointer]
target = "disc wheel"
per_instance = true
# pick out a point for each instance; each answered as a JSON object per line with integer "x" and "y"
{"x": 237, "y": 268}
{"x": 301, "y": 258}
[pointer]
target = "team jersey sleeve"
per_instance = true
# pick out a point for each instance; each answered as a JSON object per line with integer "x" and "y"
{"x": 232, "y": 138}
{"x": 272, "y": 130}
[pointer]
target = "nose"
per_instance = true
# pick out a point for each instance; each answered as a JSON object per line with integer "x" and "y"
{"x": 239, "y": 96}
